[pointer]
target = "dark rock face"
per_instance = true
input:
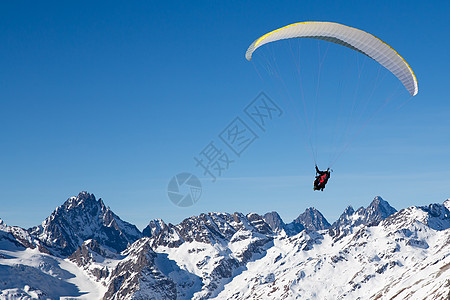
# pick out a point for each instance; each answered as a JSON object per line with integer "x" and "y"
{"x": 346, "y": 219}
{"x": 20, "y": 238}
{"x": 81, "y": 218}
{"x": 86, "y": 253}
{"x": 257, "y": 222}
{"x": 312, "y": 220}
{"x": 293, "y": 228}
{"x": 154, "y": 228}
{"x": 437, "y": 211}
{"x": 127, "y": 275}
{"x": 7, "y": 237}
{"x": 145, "y": 274}
{"x": 91, "y": 252}
{"x": 216, "y": 229}
{"x": 208, "y": 228}
{"x": 377, "y": 211}
{"x": 274, "y": 221}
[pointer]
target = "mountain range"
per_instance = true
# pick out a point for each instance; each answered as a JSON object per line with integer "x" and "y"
{"x": 85, "y": 251}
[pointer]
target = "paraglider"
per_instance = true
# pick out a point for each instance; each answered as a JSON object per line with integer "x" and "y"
{"x": 354, "y": 39}
{"x": 321, "y": 179}
{"x": 350, "y": 37}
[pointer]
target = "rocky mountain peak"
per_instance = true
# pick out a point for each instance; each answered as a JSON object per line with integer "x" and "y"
{"x": 3, "y": 225}
{"x": 312, "y": 220}
{"x": 231, "y": 256}
{"x": 447, "y": 203}
{"x": 435, "y": 216}
{"x": 154, "y": 227}
{"x": 348, "y": 211}
{"x": 84, "y": 201}
{"x": 379, "y": 209}
{"x": 258, "y": 223}
{"x": 81, "y": 218}
{"x": 274, "y": 221}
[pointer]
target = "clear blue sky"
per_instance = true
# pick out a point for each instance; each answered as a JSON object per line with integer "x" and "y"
{"x": 115, "y": 98}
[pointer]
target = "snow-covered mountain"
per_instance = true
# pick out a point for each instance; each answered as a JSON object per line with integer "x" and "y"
{"x": 79, "y": 219}
{"x": 83, "y": 250}
{"x": 312, "y": 220}
{"x": 214, "y": 246}
{"x": 375, "y": 212}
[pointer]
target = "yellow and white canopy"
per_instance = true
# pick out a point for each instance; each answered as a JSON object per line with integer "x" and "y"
{"x": 350, "y": 37}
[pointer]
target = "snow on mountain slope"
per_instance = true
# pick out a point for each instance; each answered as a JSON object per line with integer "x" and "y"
{"x": 214, "y": 246}
{"x": 95, "y": 260}
{"x": 145, "y": 274}
{"x": 373, "y": 253}
{"x": 351, "y": 220}
{"x": 29, "y": 274}
{"x": 447, "y": 204}
{"x": 372, "y": 263}
{"x": 20, "y": 237}
{"x": 436, "y": 216}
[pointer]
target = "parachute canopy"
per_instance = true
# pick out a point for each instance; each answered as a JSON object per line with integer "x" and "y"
{"x": 349, "y": 37}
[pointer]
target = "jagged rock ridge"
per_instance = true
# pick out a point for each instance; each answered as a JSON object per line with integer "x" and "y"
{"x": 372, "y": 253}
{"x": 79, "y": 219}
